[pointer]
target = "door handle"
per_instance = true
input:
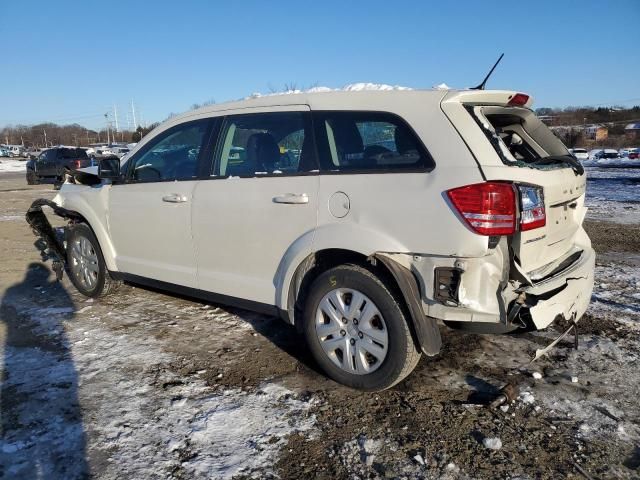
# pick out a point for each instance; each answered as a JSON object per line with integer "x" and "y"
{"x": 292, "y": 198}
{"x": 175, "y": 198}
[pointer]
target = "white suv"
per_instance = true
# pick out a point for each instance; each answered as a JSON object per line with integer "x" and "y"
{"x": 359, "y": 217}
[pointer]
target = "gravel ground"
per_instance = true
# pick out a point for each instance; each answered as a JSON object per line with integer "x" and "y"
{"x": 149, "y": 385}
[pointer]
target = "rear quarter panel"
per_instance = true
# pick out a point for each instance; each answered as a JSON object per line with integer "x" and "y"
{"x": 405, "y": 212}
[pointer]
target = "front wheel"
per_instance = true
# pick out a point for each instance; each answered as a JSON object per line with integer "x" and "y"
{"x": 87, "y": 268}
{"x": 357, "y": 329}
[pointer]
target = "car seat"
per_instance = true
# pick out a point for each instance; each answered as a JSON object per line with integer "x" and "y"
{"x": 262, "y": 153}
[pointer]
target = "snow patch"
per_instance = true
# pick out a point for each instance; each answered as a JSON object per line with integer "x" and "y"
{"x": 10, "y": 165}
{"x": 154, "y": 422}
{"x": 492, "y": 443}
{"x": 352, "y": 87}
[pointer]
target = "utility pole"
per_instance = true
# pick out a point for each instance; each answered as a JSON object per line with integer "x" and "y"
{"x": 133, "y": 112}
{"x": 115, "y": 114}
{"x": 106, "y": 117}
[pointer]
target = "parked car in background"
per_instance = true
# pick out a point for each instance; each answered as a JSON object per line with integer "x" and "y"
{"x": 608, "y": 153}
{"x": 32, "y": 152}
{"x": 633, "y": 153}
{"x": 120, "y": 151}
{"x": 624, "y": 152}
{"x": 4, "y": 152}
{"x": 579, "y": 153}
{"x": 359, "y": 217}
{"x": 53, "y": 163}
{"x": 101, "y": 152}
{"x": 603, "y": 153}
{"x": 15, "y": 150}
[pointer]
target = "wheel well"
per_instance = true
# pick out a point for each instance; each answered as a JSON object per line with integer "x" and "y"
{"x": 321, "y": 261}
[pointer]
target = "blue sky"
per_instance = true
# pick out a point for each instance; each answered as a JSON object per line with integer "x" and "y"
{"x": 70, "y": 61}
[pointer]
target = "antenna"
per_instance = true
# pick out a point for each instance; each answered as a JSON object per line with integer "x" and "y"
{"x": 484, "y": 82}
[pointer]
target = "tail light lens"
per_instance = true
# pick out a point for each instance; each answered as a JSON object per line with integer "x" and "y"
{"x": 490, "y": 208}
{"x": 78, "y": 163}
{"x": 532, "y": 212}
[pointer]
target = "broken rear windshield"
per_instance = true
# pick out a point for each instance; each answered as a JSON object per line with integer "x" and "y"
{"x": 521, "y": 139}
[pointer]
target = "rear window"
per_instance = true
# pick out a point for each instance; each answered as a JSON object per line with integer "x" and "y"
{"x": 369, "y": 141}
{"x": 72, "y": 153}
{"x": 579, "y": 150}
{"x": 520, "y": 138}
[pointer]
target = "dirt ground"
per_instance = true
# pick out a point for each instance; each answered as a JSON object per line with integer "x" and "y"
{"x": 149, "y": 385}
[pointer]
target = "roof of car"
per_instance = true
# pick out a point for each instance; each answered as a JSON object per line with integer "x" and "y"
{"x": 382, "y": 98}
{"x": 319, "y": 99}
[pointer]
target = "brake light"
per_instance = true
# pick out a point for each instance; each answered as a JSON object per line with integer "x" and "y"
{"x": 519, "y": 99}
{"x": 532, "y": 212}
{"x": 78, "y": 163}
{"x": 488, "y": 208}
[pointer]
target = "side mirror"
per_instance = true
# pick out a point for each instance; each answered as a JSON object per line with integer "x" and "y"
{"x": 109, "y": 168}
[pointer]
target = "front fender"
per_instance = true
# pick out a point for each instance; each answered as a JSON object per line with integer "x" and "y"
{"x": 91, "y": 202}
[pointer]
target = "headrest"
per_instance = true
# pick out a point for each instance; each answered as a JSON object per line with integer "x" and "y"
{"x": 262, "y": 152}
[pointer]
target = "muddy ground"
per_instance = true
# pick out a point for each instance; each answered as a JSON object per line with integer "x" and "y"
{"x": 149, "y": 385}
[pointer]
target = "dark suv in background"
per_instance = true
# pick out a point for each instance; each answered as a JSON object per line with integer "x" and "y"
{"x": 52, "y": 164}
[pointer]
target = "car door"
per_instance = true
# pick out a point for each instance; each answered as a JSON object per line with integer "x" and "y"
{"x": 150, "y": 212}
{"x": 45, "y": 166}
{"x": 40, "y": 163}
{"x": 260, "y": 202}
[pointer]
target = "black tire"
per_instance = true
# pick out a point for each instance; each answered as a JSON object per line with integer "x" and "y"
{"x": 32, "y": 178}
{"x": 402, "y": 354}
{"x": 105, "y": 284}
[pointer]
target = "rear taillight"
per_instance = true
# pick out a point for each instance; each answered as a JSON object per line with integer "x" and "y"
{"x": 519, "y": 99}
{"x": 532, "y": 212}
{"x": 490, "y": 208}
{"x": 78, "y": 163}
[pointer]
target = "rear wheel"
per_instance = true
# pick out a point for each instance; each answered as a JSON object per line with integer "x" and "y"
{"x": 357, "y": 329}
{"x": 87, "y": 268}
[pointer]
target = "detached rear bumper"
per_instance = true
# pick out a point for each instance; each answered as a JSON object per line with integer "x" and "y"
{"x": 566, "y": 295}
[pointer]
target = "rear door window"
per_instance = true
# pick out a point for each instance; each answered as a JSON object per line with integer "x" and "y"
{"x": 278, "y": 143}
{"x": 369, "y": 142}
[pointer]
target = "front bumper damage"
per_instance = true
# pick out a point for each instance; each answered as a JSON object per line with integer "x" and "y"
{"x": 49, "y": 242}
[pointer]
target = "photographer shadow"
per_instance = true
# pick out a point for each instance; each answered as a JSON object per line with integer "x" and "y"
{"x": 42, "y": 433}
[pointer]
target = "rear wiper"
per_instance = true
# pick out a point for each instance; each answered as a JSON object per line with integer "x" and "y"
{"x": 574, "y": 163}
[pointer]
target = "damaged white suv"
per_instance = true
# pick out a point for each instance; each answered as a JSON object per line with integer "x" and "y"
{"x": 359, "y": 217}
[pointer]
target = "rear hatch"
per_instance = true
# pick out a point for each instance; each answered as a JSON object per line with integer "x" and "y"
{"x": 511, "y": 144}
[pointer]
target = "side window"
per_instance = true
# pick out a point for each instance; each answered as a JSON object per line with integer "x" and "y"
{"x": 265, "y": 144}
{"x": 355, "y": 141}
{"x": 173, "y": 155}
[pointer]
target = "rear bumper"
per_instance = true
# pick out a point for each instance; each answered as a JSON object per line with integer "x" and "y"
{"x": 567, "y": 295}
{"x": 488, "y": 295}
